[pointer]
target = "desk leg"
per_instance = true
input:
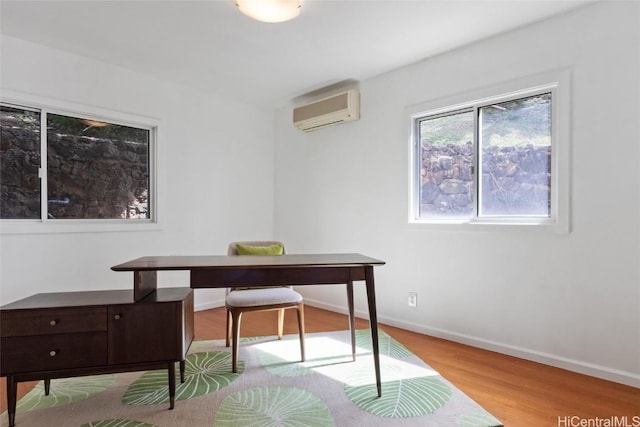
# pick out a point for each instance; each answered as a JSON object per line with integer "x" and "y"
{"x": 144, "y": 283}
{"x": 373, "y": 320}
{"x": 12, "y": 392}
{"x": 352, "y": 319}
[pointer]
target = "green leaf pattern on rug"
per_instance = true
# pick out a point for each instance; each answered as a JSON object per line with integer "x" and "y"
{"x": 386, "y": 344}
{"x": 64, "y": 391}
{"x": 273, "y": 406}
{"x": 405, "y": 398}
{"x": 478, "y": 419}
{"x": 205, "y": 372}
{"x": 116, "y": 423}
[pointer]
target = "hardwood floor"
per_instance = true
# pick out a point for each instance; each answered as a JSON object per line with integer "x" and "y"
{"x": 516, "y": 391}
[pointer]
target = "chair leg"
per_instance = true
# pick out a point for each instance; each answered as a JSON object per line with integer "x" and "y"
{"x": 280, "y": 323}
{"x": 236, "y": 316}
{"x": 229, "y": 323}
{"x": 300, "y": 310}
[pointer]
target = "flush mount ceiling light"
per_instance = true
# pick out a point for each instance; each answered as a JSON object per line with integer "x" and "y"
{"x": 270, "y": 10}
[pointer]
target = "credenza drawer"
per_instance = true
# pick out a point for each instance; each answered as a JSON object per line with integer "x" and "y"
{"x": 17, "y": 323}
{"x": 49, "y": 352}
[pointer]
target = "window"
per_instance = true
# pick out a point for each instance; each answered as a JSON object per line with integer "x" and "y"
{"x": 19, "y": 163}
{"x": 491, "y": 161}
{"x": 56, "y": 166}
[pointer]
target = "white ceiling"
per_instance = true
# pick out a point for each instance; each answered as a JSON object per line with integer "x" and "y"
{"x": 210, "y": 46}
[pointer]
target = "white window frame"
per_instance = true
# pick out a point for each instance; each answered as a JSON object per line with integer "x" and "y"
{"x": 45, "y": 225}
{"x": 556, "y": 82}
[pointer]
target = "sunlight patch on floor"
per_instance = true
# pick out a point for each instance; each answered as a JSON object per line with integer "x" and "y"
{"x": 332, "y": 358}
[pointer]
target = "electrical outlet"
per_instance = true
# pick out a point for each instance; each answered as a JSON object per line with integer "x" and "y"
{"x": 413, "y": 299}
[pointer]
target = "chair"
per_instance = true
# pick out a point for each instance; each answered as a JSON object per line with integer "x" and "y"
{"x": 240, "y": 300}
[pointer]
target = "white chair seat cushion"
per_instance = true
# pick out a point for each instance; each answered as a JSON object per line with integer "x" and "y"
{"x": 264, "y": 296}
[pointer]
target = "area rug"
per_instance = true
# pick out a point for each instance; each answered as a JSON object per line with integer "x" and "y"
{"x": 272, "y": 388}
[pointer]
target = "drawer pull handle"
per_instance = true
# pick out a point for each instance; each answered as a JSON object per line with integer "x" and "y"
{"x": 53, "y": 322}
{"x": 53, "y": 353}
{"x": 117, "y": 317}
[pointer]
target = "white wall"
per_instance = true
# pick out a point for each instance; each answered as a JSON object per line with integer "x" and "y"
{"x": 570, "y": 300}
{"x": 212, "y": 174}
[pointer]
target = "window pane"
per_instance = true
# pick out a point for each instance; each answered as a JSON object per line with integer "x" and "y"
{"x": 96, "y": 170}
{"x": 515, "y": 158}
{"x": 19, "y": 163}
{"x": 446, "y": 182}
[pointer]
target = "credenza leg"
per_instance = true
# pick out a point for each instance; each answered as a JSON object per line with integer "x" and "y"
{"x": 352, "y": 320}
{"x": 182, "y": 371}
{"x": 172, "y": 384}
{"x": 47, "y": 386}
{"x": 12, "y": 392}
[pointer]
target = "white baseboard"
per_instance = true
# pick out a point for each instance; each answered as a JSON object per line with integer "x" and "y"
{"x": 209, "y": 305}
{"x": 598, "y": 371}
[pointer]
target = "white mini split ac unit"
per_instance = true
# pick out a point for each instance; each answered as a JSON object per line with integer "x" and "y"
{"x": 340, "y": 108}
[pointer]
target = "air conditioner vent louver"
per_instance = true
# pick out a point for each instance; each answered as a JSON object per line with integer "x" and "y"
{"x": 340, "y": 108}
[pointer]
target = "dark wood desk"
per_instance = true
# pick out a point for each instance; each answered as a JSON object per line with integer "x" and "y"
{"x": 266, "y": 270}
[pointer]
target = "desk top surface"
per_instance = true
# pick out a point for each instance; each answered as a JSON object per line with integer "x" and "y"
{"x": 180, "y": 262}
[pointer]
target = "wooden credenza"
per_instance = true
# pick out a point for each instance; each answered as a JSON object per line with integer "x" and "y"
{"x": 58, "y": 335}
